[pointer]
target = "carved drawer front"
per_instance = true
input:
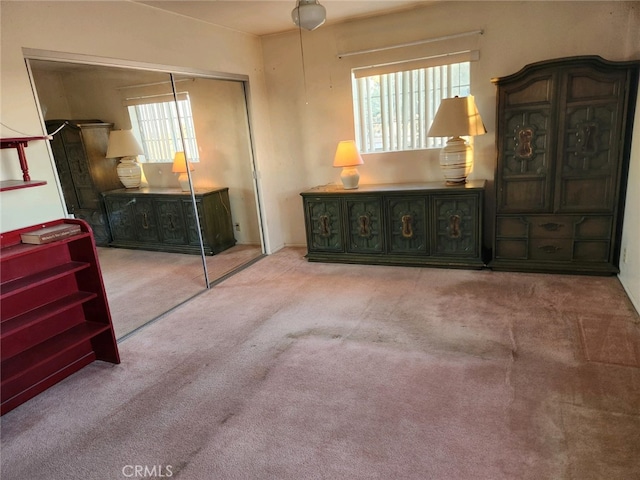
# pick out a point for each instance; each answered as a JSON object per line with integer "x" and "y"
{"x": 408, "y": 225}
{"x": 145, "y": 220}
{"x": 324, "y": 228}
{"x": 593, "y": 238}
{"x": 557, "y": 249}
{"x": 552, "y": 226}
{"x": 364, "y": 216}
{"x": 456, "y": 225}
{"x": 171, "y": 221}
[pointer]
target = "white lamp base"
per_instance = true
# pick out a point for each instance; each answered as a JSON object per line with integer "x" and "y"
{"x": 350, "y": 178}
{"x": 183, "y": 178}
{"x": 456, "y": 161}
{"x": 129, "y": 172}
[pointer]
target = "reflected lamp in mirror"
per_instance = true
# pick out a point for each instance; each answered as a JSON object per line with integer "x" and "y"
{"x": 124, "y": 145}
{"x": 180, "y": 166}
{"x": 457, "y": 117}
{"x": 308, "y": 14}
{"x": 348, "y": 157}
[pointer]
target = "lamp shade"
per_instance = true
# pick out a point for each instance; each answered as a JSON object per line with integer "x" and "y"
{"x": 456, "y": 117}
{"x": 347, "y": 155}
{"x": 122, "y": 143}
{"x": 308, "y": 14}
{"x": 180, "y": 163}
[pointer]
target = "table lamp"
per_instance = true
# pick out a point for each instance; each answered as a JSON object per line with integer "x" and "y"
{"x": 124, "y": 145}
{"x": 180, "y": 166}
{"x": 348, "y": 157}
{"x": 457, "y": 117}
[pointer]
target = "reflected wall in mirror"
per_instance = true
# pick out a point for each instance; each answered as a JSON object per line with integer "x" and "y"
{"x": 149, "y": 247}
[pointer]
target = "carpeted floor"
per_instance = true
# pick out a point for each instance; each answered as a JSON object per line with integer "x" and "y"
{"x": 297, "y": 370}
{"x": 142, "y": 285}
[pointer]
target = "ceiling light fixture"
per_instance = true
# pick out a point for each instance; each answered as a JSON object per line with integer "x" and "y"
{"x": 308, "y": 14}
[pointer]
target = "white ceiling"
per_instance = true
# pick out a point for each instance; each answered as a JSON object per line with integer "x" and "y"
{"x": 264, "y": 17}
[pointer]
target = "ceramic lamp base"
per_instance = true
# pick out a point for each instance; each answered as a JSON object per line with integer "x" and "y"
{"x": 129, "y": 172}
{"x": 456, "y": 161}
{"x": 350, "y": 178}
{"x": 183, "y": 178}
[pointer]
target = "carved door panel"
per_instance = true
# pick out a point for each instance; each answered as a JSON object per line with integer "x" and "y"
{"x": 364, "y": 216}
{"x": 525, "y": 133}
{"x": 145, "y": 220}
{"x": 408, "y": 225}
{"x": 456, "y": 226}
{"x": 171, "y": 221}
{"x": 191, "y": 225}
{"x": 121, "y": 216}
{"x": 324, "y": 228}
{"x": 588, "y": 154}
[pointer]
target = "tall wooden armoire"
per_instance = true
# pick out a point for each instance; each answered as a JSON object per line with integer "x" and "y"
{"x": 79, "y": 151}
{"x": 563, "y": 134}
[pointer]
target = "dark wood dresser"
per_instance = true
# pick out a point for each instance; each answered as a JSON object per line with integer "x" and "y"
{"x": 426, "y": 224}
{"x": 563, "y": 135}
{"x": 162, "y": 219}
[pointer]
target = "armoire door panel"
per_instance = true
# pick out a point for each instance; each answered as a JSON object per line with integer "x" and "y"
{"x": 537, "y": 90}
{"x": 523, "y": 195}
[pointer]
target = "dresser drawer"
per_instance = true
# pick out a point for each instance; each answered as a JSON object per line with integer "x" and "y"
{"x": 551, "y": 249}
{"x": 554, "y": 226}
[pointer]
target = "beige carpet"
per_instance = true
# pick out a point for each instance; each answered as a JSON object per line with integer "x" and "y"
{"x": 297, "y": 370}
{"x": 142, "y": 285}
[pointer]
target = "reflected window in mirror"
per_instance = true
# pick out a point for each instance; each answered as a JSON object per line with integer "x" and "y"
{"x": 157, "y": 123}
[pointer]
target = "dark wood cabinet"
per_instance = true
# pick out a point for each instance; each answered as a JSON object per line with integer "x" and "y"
{"x": 163, "y": 219}
{"x": 54, "y": 313}
{"x": 563, "y": 136}
{"x": 426, "y": 224}
{"x": 79, "y": 151}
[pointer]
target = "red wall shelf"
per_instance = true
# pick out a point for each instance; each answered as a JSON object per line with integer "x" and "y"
{"x": 20, "y": 143}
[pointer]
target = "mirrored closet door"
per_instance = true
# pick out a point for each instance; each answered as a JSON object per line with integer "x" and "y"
{"x": 193, "y": 219}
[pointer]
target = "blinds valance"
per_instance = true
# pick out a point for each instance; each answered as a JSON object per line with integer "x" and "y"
{"x": 416, "y": 63}
{"x": 147, "y": 99}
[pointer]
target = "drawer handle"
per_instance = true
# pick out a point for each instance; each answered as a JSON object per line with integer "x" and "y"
{"x": 551, "y": 227}
{"x": 454, "y": 226}
{"x": 407, "y": 226}
{"x": 172, "y": 225}
{"x": 145, "y": 221}
{"x": 550, "y": 248}
{"x": 365, "y": 225}
{"x": 325, "y": 225}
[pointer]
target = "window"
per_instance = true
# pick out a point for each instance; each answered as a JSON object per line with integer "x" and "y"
{"x": 157, "y": 125}
{"x": 393, "y": 111}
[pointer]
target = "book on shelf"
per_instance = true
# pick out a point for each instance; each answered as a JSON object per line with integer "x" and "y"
{"x": 50, "y": 234}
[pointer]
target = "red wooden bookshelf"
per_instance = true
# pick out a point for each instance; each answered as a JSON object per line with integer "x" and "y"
{"x": 54, "y": 315}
